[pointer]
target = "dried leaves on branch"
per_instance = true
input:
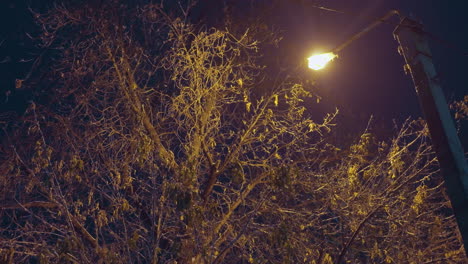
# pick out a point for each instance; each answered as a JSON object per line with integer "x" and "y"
{"x": 163, "y": 141}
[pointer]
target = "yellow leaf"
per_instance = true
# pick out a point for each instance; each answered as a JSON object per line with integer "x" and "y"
{"x": 327, "y": 259}
{"x": 247, "y": 106}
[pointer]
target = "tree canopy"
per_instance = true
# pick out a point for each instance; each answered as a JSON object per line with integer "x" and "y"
{"x": 162, "y": 140}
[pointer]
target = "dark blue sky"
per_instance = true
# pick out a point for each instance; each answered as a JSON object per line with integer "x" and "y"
{"x": 368, "y": 78}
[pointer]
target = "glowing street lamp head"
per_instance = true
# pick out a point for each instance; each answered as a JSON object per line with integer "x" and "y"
{"x": 317, "y": 62}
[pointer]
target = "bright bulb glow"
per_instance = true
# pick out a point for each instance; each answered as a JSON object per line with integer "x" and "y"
{"x": 317, "y": 62}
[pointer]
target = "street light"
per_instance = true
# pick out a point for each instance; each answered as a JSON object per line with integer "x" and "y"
{"x": 414, "y": 47}
{"x": 319, "y": 61}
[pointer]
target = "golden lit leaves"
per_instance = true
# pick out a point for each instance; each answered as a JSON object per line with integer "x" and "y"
{"x": 352, "y": 173}
{"x": 133, "y": 241}
{"x": 388, "y": 205}
{"x": 327, "y": 259}
{"x": 418, "y": 200}
{"x": 145, "y": 148}
{"x": 247, "y": 106}
{"x": 461, "y": 108}
{"x": 101, "y": 218}
{"x": 294, "y": 98}
{"x": 396, "y": 162}
{"x": 120, "y": 207}
{"x": 240, "y": 82}
{"x": 42, "y": 155}
{"x": 40, "y": 161}
{"x": 454, "y": 254}
{"x": 375, "y": 252}
{"x": 76, "y": 163}
{"x": 366, "y": 147}
{"x": 247, "y": 102}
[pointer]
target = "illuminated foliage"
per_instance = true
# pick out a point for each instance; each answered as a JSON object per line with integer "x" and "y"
{"x": 156, "y": 147}
{"x": 461, "y": 108}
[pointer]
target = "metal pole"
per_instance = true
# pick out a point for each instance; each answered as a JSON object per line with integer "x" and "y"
{"x": 415, "y": 49}
{"x": 361, "y": 33}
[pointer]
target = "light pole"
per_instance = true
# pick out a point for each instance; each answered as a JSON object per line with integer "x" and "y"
{"x": 413, "y": 46}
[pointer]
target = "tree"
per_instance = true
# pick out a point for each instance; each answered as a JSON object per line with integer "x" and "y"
{"x": 155, "y": 146}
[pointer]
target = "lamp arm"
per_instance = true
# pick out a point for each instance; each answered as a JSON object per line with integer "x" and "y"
{"x": 366, "y": 30}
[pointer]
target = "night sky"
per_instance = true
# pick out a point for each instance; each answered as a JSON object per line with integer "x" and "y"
{"x": 367, "y": 79}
